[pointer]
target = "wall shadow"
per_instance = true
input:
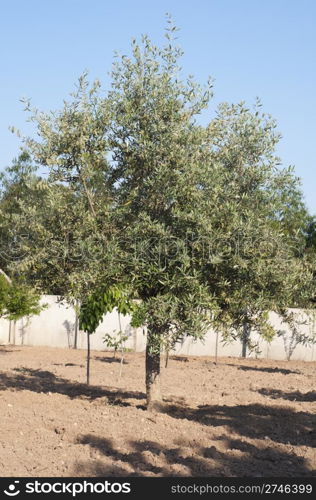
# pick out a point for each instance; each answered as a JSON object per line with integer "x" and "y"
{"x": 45, "y": 381}
{"x": 70, "y": 330}
{"x": 148, "y": 458}
{"x": 22, "y": 329}
{"x": 280, "y": 424}
{"x": 290, "y": 396}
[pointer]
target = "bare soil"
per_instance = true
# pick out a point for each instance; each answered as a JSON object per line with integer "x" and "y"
{"x": 239, "y": 418}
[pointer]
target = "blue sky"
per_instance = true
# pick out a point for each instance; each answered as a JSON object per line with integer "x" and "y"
{"x": 250, "y": 47}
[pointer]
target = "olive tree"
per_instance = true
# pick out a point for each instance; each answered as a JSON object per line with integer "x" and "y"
{"x": 191, "y": 217}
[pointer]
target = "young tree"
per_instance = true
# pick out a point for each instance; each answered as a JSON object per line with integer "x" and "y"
{"x": 293, "y": 335}
{"x": 18, "y": 300}
{"x": 102, "y": 301}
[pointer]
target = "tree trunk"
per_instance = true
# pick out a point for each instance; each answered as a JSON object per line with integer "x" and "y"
{"x": 14, "y": 331}
{"x": 167, "y": 358}
{"x": 6, "y": 277}
{"x": 88, "y": 358}
{"x": 216, "y": 347}
{"x": 245, "y": 338}
{"x": 10, "y": 328}
{"x": 153, "y": 389}
{"x": 76, "y": 325}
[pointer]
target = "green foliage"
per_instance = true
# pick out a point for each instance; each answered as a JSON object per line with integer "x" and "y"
{"x": 22, "y": 301}
{"x": 4, "y": 288}
{"x": 116, "y": 341}
{"x": 60, "y": 224}
{"x": 210, "y": 222}
{"x": 100, "y": 302}
{"x": 293, "y": 335}
{"x": 18, "y": 300}
{"x": 310, "y": 234}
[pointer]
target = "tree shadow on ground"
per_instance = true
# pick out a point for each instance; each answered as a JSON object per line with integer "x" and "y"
{"x": 265, "y": 369}
{"x": 68, "y": 364}
{"x": 182, "y": 358}
{"x": 110, "y": 359}
{"x": 256, "y": 421}
{"x": 290, "y": 396}
{"x": 149, "y": 458}
{"x": 45, "y": 381}
{"x": 5, "y": 351}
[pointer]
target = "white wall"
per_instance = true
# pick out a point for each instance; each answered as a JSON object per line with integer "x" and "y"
{"x": 55, "y": 327}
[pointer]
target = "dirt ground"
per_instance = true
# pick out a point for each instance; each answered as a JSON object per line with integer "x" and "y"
{"x": 239, "y": 418}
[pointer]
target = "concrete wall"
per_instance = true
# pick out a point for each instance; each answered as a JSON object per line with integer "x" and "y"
{"x": 55, "y": 326}
{"x": 270, "y": 350}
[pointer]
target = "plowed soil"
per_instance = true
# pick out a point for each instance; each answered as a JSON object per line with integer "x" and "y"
{"x": 236, "y": 418}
